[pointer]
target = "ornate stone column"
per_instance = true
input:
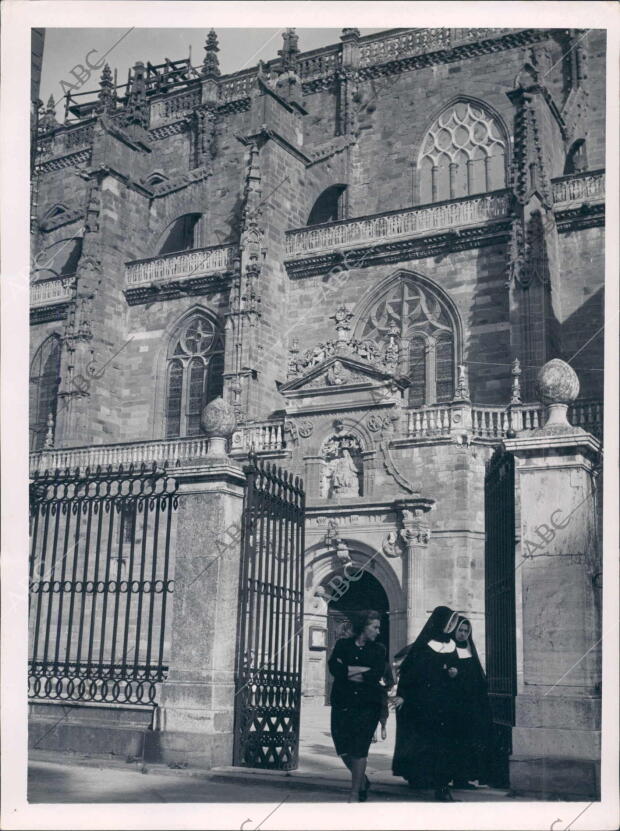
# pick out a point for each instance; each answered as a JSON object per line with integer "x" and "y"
{"x": 556, "y": 738}
{"x": 414, "y": 536}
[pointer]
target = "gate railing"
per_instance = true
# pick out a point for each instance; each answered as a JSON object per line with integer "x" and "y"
{"x": 269, "y": 635}
{"x": 101, "y": 583}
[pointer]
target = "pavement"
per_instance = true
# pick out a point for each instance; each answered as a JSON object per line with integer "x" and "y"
{"x": 320, "y": 777}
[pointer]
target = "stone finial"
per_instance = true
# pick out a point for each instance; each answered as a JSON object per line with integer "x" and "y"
{"x": 49, "y": 438}
{"x": 211, "y": 64}
{"x": 289, "y": 51}
{"x": 558, "y": 386}
{"x": 341, "y": 318}
{"x": 350, "y": 34}
{"x": 48, "y": 119}
{"x": 137, "y": 105}
{"x": 218, "y": 421}
{"x": 106, "y": 90}
{"x": 462, "y": 387}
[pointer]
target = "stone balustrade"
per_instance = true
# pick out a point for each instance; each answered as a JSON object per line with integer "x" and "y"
{"x": 582, "y": 187}
{"x": 172, "y": 451}
{"x": 174, "y": 106}
{"x": 179, "y": 266}
{"x": 50, "y": 291}
{"x": 587, "y": 414}
{"x": 259, "y": 437}
{"x": 65, "y": 140}
{"x": 264, "y": 437}
{"x": 318, "y": 65}
{"x": 427, "y": 422}
{"x": 236, "y": 88}
{"x": 413, "y": 42}
{"x": 409, "y": 222}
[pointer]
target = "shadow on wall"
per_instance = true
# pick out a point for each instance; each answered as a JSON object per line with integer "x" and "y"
{"x": 586, "y": 324}
{"x": 487, "y": 353}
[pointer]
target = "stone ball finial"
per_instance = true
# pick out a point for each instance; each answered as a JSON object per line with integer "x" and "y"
{"x": 218, "y": 419}
{"x": 219, "y": 422}
{"x": 557, "y": 383}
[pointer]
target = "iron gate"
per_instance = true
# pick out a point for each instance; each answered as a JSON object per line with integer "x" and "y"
{"x": 269, "y": 635}
{"x": 501, "y": 661}
{"x": 100, "y": 582}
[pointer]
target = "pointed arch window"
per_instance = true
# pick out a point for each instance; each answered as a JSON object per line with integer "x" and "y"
{"x": 180, "y": 235}
{"x": 44, "y": 382}
{"x": 427, "y": 333}
{"x": 194, "y": 375}
{"x": 463, "y": 153}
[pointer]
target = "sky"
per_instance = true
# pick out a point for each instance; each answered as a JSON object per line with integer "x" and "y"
{"x": 239, "y": 48}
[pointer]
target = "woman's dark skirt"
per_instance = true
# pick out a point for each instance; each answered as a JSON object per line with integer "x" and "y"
{"x": 353, "y": 729}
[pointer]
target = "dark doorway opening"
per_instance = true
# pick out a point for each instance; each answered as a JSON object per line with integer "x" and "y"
{"x": 365, "y": 593}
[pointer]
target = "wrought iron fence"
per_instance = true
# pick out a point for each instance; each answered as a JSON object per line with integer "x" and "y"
{"x": 101, "y": 581}
{"x": 268, "y": 674}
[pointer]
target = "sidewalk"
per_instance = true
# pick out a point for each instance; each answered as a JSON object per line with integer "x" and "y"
{"x": 320, "y": 777}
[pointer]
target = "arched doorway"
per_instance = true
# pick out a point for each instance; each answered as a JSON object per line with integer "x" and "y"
{"x": 365, "y": 593}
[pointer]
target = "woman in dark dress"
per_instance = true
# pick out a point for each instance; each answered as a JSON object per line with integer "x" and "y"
{"x": 427, "y": 707}
{"x": 474, "y": 729}
{"x": 357, "y": 664}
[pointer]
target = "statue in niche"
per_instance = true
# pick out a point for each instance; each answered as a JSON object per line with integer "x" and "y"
{"x": 341, "y": 476}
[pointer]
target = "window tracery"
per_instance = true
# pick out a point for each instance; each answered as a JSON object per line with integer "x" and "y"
{"x": 44, "y": 382}
{"x": 421, "y": 325}
{"x": 194, "y": 375}
{"x": 463, "y": 153}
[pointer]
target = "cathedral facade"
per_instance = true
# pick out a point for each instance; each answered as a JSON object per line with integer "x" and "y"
{"x": 368, "y": 250}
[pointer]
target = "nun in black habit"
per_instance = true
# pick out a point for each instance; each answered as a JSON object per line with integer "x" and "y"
{"x": 474, "y": 729}
{"x": 427, "y": 707}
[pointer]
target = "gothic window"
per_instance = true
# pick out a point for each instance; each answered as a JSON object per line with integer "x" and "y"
{"x": 330, "y": 206}
{"x": 463, "y": 153}
{"x": 58, "y": 260}
{"x": 426, "y": 335}
{"x": 417, "y": 371}
{"x": 194, "y": 375}
{"x": 44, "y": 381}
{"x": 576, "y": 160}
{"x": 180, "y": 235}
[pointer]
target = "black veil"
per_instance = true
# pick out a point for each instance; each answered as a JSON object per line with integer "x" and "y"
{"x": 433, "y": 629}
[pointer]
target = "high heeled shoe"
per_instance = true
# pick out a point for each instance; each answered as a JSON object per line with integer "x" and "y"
{"x": 363, "y": 794}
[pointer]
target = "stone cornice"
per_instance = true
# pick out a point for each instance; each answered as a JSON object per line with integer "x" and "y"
{"x": 402, "y": 250}
{"x": 580, "y": 218}
{"x": 45, "y": 314}
{"x": 173, "y": 289}
{"x": 267, "y": 134}
{"x": 70, "y": 160}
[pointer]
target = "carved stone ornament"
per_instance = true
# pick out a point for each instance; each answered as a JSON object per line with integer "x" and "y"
{"x": 305, "y": 428}
{"x": 390, "y": 546}
{"x": 343, "y": 553}
{"x": 337, "y": 374}
{"x": 557, "y": 383}
{"x": 218, "y": 419}
{"x": 375, "y": 422}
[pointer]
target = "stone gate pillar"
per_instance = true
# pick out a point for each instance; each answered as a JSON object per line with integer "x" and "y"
{"x": 197, "y": 702}
{"x": 556, "y": 738}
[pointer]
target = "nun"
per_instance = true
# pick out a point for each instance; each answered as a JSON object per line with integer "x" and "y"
{"x": 427, "y": 707}
{"x": 474, "y": 728}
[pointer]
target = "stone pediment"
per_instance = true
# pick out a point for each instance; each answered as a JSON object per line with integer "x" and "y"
{"x": 338, "y": 373}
